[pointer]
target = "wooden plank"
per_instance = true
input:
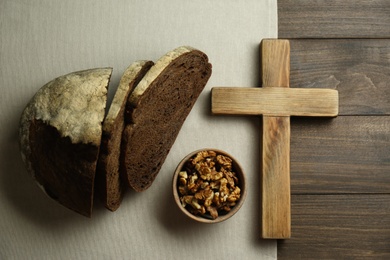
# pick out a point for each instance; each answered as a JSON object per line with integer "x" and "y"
{"x": 344, "y": 161}
{"x": 274, "y": 101}
{"x": 334, "y": 18}
{"x": 358, "y": 69}
{"x": 275, "y": 175}
{"x": 347, "y": 154}
{"x": 338, "y": 227}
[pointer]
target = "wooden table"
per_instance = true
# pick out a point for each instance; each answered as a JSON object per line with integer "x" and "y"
{"x": 340, "y": 168}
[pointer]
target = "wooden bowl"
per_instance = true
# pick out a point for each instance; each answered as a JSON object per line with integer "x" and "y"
{"x": 222, "y": 215}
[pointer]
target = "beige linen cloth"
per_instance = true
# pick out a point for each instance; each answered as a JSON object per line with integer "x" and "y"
{"x": 43, "y": 39}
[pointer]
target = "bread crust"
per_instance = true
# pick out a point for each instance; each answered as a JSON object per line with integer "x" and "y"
{"x": 60, "y": 134}
{"x": 158, "y": 107}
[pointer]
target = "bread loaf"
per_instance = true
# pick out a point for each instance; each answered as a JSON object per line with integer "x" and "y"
{"x": 157, "y": 108}
{"x": 67, "y": 146}
{"x": 109, "y": 184}
{"x": 60, "y": 134}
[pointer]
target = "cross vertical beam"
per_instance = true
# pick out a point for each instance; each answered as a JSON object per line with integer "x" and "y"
{"x": 275, "y": 174}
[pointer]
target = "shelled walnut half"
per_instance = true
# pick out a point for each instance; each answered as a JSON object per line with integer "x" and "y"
{"x": 208, "y": 184}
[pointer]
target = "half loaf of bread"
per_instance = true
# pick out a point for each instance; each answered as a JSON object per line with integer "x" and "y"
{"x": 60, "y": 134}
{"x": 109, "y": 184}
{"x": 157, "y": 108}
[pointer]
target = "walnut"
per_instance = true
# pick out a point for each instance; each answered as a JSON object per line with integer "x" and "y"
{"x": 204, "y": 185}
{"x": 182, "y": 190}
{"x": 204, "y": 194}
{"x": 223, "y": 189}
{"x": 234, "y": 195}
{"x": 195, "y": 203}
{"x": 191, "y": 181}
{"x": 225, "y": 161}
{"x": 216, "y": 199}
{"x": 208, "y": 185}
{"x": 213, "y": 211}
{"x": 183, "y": 178}
{"x": 187, "y": 199}
{"x": 231, "y": 178}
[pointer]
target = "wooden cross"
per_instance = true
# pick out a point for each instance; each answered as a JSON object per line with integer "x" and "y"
{"x": 276, "y": 102}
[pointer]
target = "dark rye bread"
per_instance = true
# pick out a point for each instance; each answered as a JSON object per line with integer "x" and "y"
{"x": 109, "y": 186}
{"x": 157, "y": 109}
{"x": 66, "y": 145}
{"x": 60, "y": 134}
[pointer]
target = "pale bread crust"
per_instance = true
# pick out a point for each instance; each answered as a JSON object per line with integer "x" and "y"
{"x": 71, "y": 109}
{"x": 155, "y": 71}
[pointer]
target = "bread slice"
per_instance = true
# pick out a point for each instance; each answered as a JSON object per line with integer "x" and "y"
{"x": 157, "y": 109}
{"x": 109, "y": 184}
{"x": 60, "y": 134}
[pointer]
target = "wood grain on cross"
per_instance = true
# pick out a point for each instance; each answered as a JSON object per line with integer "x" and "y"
{"x": 276, "y": 102}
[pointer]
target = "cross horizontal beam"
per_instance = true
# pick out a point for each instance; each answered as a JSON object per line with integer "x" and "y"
{"x": 275, "y": 101}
